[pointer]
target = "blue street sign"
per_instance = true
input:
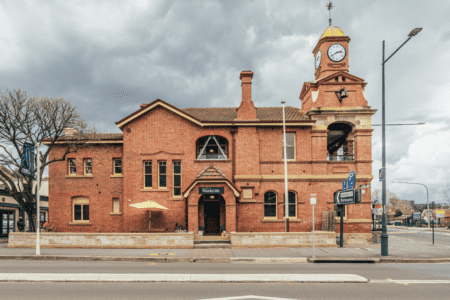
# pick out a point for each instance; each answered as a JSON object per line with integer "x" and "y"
{"x": 351, "y": 180}
{"x": 27, "y": 162}
{"x": 344, "y": 185}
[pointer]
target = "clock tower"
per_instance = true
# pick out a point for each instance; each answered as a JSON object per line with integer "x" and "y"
{"x": 331, "y": 52}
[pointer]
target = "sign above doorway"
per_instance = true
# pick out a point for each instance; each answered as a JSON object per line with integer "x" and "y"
{"x": 210, "y": 190}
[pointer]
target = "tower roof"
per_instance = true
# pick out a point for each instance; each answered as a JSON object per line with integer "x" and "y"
{"x": 333, "y": 31}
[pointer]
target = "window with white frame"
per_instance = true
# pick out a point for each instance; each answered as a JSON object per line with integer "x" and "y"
{"x": 72, "y": 166}
{"x": 88, "y": 166}
{"x": 270, "y": 205}
{"x": 162, "y": 172}
{"x": 118, "y": 166}
{"x": 212, "y": 147}
{"x": 292, "y": 205}
{"x": 148, "y": 174}
{"x": 80, "y": 209}
{"x": 177, "y": 178}
{"x": 290, "y": 145}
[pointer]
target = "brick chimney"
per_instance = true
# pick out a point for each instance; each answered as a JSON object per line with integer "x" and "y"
{"x": 247, "y": 110}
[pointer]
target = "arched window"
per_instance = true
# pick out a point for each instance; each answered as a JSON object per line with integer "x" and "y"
{"x": 212, "y": 147}
{"x": 292, "y": 205}
{"x": 270, "y": 205}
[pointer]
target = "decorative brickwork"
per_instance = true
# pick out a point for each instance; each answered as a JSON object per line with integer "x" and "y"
{"x": 158, "y": 135}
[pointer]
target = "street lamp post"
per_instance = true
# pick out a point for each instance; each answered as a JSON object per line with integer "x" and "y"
{"x": 286, "y": 194}
{"x": 428, "y": 203}
{"x": 384, "y": 236}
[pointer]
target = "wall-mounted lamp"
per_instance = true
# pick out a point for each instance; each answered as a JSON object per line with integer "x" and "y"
{"x": 341, "y": 94}
{"x": 3, "y": 199}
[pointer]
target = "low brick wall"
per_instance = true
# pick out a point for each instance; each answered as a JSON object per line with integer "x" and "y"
{"x": 282, "y": 239}
{"x": 356, "y": 238}
{"x": 102, "y": 240}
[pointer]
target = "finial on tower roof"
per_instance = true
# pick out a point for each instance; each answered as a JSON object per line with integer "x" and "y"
{"x": 330, "y": 7}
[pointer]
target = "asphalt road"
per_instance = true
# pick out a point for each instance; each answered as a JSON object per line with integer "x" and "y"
{"x": 178, "y": 291}
{"x": 420, "y": 235}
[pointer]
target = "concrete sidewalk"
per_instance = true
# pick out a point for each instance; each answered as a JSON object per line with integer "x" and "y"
{"x": 400, "y": 250}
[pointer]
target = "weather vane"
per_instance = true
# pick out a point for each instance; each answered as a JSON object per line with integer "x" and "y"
{"x": 330, "y": 7}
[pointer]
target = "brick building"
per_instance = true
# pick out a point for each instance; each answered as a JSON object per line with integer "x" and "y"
{"x": 216, "y": 167}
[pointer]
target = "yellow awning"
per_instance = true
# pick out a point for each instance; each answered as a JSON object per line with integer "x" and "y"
{"x": 148, "y": 204}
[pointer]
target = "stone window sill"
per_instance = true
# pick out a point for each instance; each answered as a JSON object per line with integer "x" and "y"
{"x": 248, "y": 200}
{"x": 212, "y": 160}
{"x": 279, "y": 221}
{"x": 117, "y": 176}
{"x": 155, "y": 190}
{"x": 83, "y": 223}
{"x": 78, "y": 176}
{"x": 176, "y": 198}
{"x": 115, "y": 213}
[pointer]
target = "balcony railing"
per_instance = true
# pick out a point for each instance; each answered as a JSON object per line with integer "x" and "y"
{"x": 212, "y": 156}
{"x": 340, "y": 157}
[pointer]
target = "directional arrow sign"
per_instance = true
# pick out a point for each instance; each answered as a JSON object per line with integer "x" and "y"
{"x": 344, "y": 197}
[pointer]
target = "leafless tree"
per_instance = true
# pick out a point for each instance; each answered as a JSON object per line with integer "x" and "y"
{"x": 446, "y": 194}
{"x": 375, "y": 196}
{"x": 403, "y": 207}
{"x": 30, "y": 119}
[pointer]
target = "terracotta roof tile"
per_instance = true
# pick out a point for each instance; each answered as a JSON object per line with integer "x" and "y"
{"x": 228, "y": 114}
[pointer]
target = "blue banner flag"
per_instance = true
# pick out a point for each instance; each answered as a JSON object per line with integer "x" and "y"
{"x": 27, "y": 162}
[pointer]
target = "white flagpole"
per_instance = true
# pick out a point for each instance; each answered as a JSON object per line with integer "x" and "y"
{"x": 38, "y": 167}
{"x": 286, "y": 194}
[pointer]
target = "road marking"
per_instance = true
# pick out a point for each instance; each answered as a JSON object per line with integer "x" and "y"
{"x": 194, "y": 278}
{"x": 150, "y": 264}
{"x": 171, "y": 253}
{"x": 154, "y": 254}
{"x": 248, "y": 297}
{"x": 406, "y": 282}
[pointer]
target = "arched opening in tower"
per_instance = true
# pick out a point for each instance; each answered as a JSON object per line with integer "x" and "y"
{"x": 340, "y": 142}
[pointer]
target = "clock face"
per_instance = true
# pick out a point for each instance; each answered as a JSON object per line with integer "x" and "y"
{"x": 336, "y": 52}
{"x": 318, "y": 59}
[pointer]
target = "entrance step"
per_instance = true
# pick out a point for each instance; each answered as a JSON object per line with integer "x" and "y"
{"x": 211, "y": 242}
{"x": 211, "y": 245}
{"x": 211, "y": 237}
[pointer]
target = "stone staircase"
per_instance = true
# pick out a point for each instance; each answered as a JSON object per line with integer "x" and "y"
{"x": 211, "y": 241}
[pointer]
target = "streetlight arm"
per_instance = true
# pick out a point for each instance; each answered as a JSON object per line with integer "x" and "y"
{"x": 396, "y": 50}
{"x": 428, "y": 203}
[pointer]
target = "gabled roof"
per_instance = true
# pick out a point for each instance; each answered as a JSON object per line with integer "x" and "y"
{"x": 314, "y": 83}
{"x": 229, "y": 114}
{"x": 147, "y": 107}
{"x": 200, "y": 115}
{"x": 90, "y": 138}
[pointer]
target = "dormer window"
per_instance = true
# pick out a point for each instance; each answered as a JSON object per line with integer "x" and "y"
{"x": 336, "y": 79}
{"x": 343, "y": 79}
{"x": 212, "y": 147}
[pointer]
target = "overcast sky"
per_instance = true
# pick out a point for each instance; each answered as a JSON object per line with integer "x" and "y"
{"x": 108, "y": 57}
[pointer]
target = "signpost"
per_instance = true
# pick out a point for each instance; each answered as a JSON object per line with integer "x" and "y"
{"x": 348, "y": 195}
{"x": 344, "y": 185}
{"x": 313, "y": 202}
{"x": 351, "y": 180}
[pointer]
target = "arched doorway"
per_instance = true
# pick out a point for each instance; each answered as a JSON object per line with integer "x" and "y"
{"x": 212, "y": 213}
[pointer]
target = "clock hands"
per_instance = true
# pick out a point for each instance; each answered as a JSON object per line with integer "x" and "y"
{"x": 336, "y": 53}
